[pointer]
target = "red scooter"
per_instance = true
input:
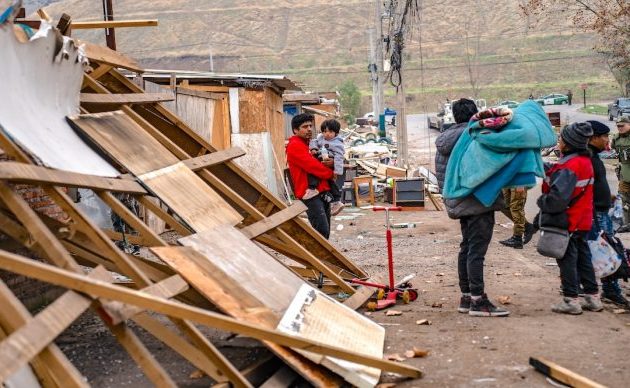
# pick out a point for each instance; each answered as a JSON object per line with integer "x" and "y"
{"x": 387, "y": 295}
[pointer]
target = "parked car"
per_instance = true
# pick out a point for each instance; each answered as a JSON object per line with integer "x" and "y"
{"x": 507, "y": 104}
{"x": 620, "y": 107}
{"x": 553, "y": 99}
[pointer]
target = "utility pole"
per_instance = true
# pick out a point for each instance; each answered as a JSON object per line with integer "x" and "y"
{"x": 378, "y": 22}
{"x": 108, "y": 14}
{"x": 401, "y": 124}
{"x": 372, "y": 67}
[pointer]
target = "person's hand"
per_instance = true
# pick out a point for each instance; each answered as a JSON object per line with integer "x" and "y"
{"x": 314, "y": 151}
{"x": 328, "y": 163}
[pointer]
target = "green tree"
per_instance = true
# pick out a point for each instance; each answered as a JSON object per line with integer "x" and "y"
{"x": 350, "y": 100}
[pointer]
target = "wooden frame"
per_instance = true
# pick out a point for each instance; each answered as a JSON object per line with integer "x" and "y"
{"x": 362, "y": 180}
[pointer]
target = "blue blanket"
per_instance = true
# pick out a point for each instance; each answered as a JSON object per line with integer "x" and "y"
{"x": 484, "y": 161}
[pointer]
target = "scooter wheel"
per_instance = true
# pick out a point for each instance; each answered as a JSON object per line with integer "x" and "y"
{"x": 413, "y": 294}
{"x": 380, "y": 294}
{"x": 406, "y": 297}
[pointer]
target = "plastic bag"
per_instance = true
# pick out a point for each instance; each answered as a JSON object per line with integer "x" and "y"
{"x": 605, "y": 259}
{"x": 616, "y": 213}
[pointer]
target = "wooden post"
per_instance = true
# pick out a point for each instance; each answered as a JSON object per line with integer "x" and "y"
{"x": 108, "y": 14}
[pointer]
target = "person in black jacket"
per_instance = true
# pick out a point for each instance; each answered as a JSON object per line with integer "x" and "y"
{"x": 602, "y": 202}
{"x": 476, "y": 222}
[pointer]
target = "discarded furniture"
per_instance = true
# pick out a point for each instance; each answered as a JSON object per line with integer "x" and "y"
{"x": 363, "y": 180}
{"x": 409, "y": 193}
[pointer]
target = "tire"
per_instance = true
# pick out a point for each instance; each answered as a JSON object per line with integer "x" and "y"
{"x": 385, "y": 140}
{"x": 370, "y": 140}
{"x": 358, "y": 142}
{"x": 564, "y": 102}
{"x": 370, "y": 136}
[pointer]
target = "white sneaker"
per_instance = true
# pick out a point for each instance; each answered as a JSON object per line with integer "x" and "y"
{"x": 310, "y": 193}
{"x": 336, "y": 208}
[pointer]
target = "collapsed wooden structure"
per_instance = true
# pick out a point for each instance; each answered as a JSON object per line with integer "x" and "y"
{"x": 219, "y": 274}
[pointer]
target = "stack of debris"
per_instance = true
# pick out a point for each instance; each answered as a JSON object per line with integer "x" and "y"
{"x": 124, "y": 141}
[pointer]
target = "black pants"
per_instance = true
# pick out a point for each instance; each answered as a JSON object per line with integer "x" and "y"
{"x": 318, "y": 213}
{"x": 313, "y": 182}
{"x": 476, "y": 235}
{"x": 576, "y": 267}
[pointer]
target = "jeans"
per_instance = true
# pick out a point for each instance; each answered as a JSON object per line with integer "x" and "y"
{"x": 476, "y": 235}
{"x": 335, "y": 190}
{"x": 318, "y": 212}
{"x": 576, "y": 267}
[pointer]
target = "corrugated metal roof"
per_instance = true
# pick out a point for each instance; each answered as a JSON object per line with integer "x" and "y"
{"x": 163, "y": 76}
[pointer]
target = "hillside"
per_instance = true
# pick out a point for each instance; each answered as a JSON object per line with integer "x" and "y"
{"x": 322, "y": 43}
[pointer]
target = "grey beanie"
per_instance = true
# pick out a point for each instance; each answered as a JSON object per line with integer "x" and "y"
{"x": 577, "y": 135}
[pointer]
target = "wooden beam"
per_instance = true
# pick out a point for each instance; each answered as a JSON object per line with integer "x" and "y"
{"x": 362, "y": 294}
{"x": 562, "y": 374}
{"x": 30, "y": 339}
{"x": 211, "y": 159}
{"x": 274, "y": 220}
{"x": 50, "y": 362}
{"x": 102, "y": 54}
{"x": 126, "y": 98}
{"x": 26, "y": 173}
{"x": 77, "y": 25}
{"x": 163, "y": 214}
{"x": 60, "y": 277}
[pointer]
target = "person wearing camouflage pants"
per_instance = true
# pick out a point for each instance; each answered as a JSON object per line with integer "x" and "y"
{"x": 514, "y": 209}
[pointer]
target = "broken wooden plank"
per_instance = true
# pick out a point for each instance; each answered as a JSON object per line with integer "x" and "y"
{"x": 217, "y": 157}
{"x": 102, "y": 54}
{"x": 175, "y": 184}
{"x": 51, "y": 274}
{"x": 362, "y": 294}
{"x": 127, "y": 98}
{"x": 562, "y": 374}
{"x": 30, "y": 339}
{"x": 78, "y": 25}
{"x": 275, "y": 220}
{"x": 26, "y": 173}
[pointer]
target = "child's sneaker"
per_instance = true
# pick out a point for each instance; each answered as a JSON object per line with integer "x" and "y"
{"x": 464, "y": 304}
{"x": 482, "y": 307}
{"x": 336, "y": 207}
{"x": 310, "y": 193}
{"x": 592, "y": 303}
{"x": 617, "y": 298}
{"x": 568, "y": 306}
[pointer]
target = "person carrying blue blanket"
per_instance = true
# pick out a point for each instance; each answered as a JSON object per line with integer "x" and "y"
{"x": 476, "y": 220}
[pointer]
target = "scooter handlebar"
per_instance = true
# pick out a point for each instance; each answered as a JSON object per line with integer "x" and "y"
{"x": 382, "y": 208}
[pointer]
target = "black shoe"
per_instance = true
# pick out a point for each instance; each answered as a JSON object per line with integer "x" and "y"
{"x": 617, "y": 299}
{"x": 484, "y": 308}
{"x": 464, "y": 304}
{"x": 515, "y": 242}
{"x": 530, "y": 230}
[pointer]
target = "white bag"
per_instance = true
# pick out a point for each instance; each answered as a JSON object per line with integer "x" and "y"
{"x": 605, "y": 259}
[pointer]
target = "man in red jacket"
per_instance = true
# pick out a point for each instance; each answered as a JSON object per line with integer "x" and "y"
{"x": 301, "y": 163}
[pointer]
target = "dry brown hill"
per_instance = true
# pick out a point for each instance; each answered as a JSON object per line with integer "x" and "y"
{"x": 324, "y": 42}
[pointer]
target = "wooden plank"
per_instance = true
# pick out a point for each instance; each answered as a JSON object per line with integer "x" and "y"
{"x": 50, "y": 363}
{"x": 100, "y": 71}
{"x": 234, "y": 299}
{"x": 163, "y": 214}
{"x": 362, "y": 294}
{"x": 47, "y": 273}
{"x": 275, "y": 220}
{"x": 31, "y": 338}
{"x": 199, "y": 93}
{"x": 166, "y": 288}
{"x": 259, "y": 371}
{"x": 77, "y": 25}
{"x": 217, "y": 157}
{"x": 191, "y": 198}
{"x": 102, "y": 54}
{"x": 562, "y": 374}
{"x": 177, "y": 186}
{"x": 127, "y": 98}
{"x": 26, "y": 173}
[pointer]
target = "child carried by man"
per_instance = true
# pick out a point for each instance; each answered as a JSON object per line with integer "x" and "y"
{"x": 328, "y": 145}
